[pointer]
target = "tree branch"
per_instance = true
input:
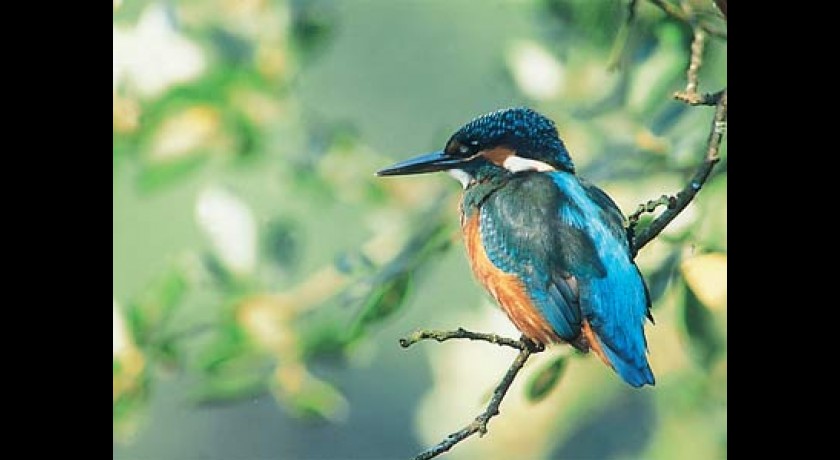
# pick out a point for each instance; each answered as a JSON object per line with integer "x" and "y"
{"x": 479, "y": 425}
{"x": 688, "y": 17}
{"x": 689, "y": 95}
{"x": 721, "y": 4}
{"x": 684, "y": 196}
{"x": 651, "y": 206}
{"x": 462, "y": 333}
{"x": 620, "y": 42}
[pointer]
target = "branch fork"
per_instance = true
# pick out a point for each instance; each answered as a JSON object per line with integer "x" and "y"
{"x": 526, "y": 348}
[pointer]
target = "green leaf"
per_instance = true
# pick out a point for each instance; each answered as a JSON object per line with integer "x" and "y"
{"x": 248, "y": 136}
{"x": 653, "y": 79}
{"x": 167, "y": 352}
{"x": 216, "y": 269}
{"x": 157, "y": 175}
{"x": 154, "y": 307}
{"x": 390, "y": 287}
{"x": 699, "y": 323}
{"x": 546, "y": 379}
{"x": 313, "y": 26}
{"x": 660, "y": 279}
{"x": 281, "y": 242}
{"x": 325, "y": 333}
{"x": 129, "y": 402}
{"x": 386, "y": 299}
{"x": 319, "y": 399}
{"x": 383, "y": 301}
{"x": 229, "y": 348}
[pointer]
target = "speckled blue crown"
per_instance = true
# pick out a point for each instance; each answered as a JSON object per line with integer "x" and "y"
{"x": 529, "y": 133}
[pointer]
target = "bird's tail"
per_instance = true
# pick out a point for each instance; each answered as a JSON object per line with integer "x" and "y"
{"x": 636, "y": 372}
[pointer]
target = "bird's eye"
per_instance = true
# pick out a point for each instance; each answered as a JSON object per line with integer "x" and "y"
{"x": 463, "y": 149}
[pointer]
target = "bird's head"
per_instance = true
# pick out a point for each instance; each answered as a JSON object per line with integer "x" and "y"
{"x": 501, "y": 142}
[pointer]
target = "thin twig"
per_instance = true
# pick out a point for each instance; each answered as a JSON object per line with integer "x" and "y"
{"x": 721, "y": 4}
{"x": 461, "y": 333}
{"x": 699, "y": 99}
{"x": 690, "y": 94}
{"x": 684, "y": 196}
{"x": 479, "y": 425}
{"x": 697, "y": 47}
{"x": 687, "y": 17}
{"x": 621, "y": 37}
{"x": 671, "y": 10}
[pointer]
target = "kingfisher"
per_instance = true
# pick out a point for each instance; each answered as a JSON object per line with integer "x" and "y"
{"x": 551, "y": 248}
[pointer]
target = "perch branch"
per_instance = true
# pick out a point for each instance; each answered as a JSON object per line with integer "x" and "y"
{"x": 479, "y": 425}
{"x": 684, "y": 196}
{"x": 461, "y": 333}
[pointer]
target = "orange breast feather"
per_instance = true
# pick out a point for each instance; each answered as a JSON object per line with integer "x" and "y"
{"x": 506, "y": 288}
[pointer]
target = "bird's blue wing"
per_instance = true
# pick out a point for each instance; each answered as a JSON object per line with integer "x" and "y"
{"x": 616, "y": 304}
{"x": 565, "y": 240}
{"x": 523, "y": 235}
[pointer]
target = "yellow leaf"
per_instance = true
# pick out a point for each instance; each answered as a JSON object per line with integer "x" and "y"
{"x": 705, "y": 274}
{"x": 267, "y": 320}
{"x": 181, "y": 134}
{"x": 126, "y": 114}
{"x": 128, "y": 359}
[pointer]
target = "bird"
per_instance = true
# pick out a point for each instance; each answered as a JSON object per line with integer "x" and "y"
{"x": 550, "y": 247}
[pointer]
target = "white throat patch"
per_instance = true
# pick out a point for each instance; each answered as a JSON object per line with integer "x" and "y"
{"x": 515, "y": 163}
{"x": 462, "y": 176}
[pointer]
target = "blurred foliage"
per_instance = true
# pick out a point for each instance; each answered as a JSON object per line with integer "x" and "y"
{"x": 294, "y": 253}
{"x": 546, "y": 379}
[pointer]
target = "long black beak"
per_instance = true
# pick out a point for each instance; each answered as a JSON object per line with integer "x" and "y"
{"x": 430, "y": 162}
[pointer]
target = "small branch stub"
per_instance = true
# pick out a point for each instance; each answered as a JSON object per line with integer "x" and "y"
{"x": 650, "y": 206}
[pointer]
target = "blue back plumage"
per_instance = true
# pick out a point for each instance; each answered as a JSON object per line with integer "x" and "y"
{"x": 549, "y": 227}
{"x": 616, "y": 304}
